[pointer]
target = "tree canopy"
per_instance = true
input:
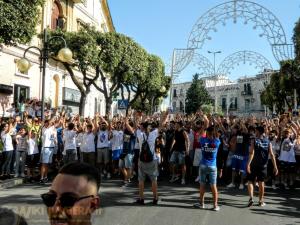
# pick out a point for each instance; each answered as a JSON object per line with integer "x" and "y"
{"x": 18, "y": 20}
{"x": 196, "y": 95}
{"x": 116, "y": 61}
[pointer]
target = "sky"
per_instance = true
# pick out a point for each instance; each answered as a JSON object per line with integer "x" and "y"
{"x": 162, "y": 25}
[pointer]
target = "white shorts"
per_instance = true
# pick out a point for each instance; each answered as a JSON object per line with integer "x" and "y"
{"x": 46, "y": 155}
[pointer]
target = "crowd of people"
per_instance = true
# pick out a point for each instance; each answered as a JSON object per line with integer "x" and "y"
{"x": 203, "y": 148}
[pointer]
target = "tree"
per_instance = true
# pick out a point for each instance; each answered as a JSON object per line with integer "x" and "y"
{"x": 153, "y": 86}
{"x": 18, "y": 20}
{"x": 196, "y": 95}
{"x": 85, "y": 53}
{"x": 107, "y": 61}
{"x": 296, "y": 40}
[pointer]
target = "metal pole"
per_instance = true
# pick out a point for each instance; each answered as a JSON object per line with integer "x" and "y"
{"x": 44, "y": 63}
{"x": 172, "y": 74}
{"x": 216, "y": 99}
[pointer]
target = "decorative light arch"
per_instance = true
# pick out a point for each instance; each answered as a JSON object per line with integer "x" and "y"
{"x": 203, "y": 64}
{"x": 234, "y": 59}
{"x": 262, "y": 18}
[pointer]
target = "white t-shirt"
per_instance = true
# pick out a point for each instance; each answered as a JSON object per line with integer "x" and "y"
{"x": 32, "y": 147}
{"x": 102, "y": 139}
{"x": 117, "y": 140}
{"x": 69, "y": 139}
{"x": 139, "y": 139}
{"x": 151, "y": 139}
{"x": 7, "y": 142}
{"x": 49, "y": 137}
{"x": 191, "y": 139}
{"x": 88, "y": 142}
{"x": 287, "y": 153}
{"x": 79, "y": 138}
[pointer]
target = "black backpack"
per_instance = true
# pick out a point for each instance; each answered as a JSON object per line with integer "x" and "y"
{"x": 146, "y": 155}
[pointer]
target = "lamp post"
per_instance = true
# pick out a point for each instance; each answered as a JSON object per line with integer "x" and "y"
{"x": 215, "y": 75}
{"x": 64, "y": 55}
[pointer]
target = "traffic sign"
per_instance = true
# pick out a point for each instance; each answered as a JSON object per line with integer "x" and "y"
{"x": 122, "y": 104}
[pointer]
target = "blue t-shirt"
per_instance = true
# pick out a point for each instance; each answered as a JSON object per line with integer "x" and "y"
{"x": 209, "y": 149}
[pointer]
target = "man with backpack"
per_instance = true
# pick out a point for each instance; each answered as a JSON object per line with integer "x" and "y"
{"x": 148, "y": 162}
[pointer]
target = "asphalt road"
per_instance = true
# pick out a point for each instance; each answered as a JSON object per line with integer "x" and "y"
{"x": 175, "y": 206}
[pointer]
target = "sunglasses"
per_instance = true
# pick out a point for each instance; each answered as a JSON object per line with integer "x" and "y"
{"x": 67, "y": 200}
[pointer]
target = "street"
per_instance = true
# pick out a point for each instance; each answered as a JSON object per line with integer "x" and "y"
{"x": 175, "y": 206}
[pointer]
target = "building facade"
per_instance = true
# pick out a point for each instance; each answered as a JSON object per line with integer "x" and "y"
{"x": 241, "y": 97}
{"x": 60, "y": 90}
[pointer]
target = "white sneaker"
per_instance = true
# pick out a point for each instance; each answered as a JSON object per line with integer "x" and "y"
{"x": 183, "y": 181}
{"x": 261, "y": 204}
{"x": 273, "y": 187}
{"x": 197, "y": 179}
{"x": 22, "y": 175}
{"x": 216, "y": 208}
{"x": 16, "y": 175}
{"x": 108, "y": 176}
{"x": 231, "y": 185}
{"x": 199, "y": 205}
{"x": 241, "y": 187}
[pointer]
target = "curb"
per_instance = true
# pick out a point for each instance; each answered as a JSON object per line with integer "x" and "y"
{"x": 11, "y": 183}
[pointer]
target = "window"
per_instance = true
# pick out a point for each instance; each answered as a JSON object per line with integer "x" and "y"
{"x": 223, "y": 103}
{"x": 247, "y": 104}
{"x": 181, "y": 107}
{"x": 57, "y": 20}
{"x": 174, "y": 93}
{"x": 21, "y": 93}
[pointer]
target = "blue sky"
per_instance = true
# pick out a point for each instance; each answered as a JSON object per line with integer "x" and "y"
{"x": 162, "y": 25}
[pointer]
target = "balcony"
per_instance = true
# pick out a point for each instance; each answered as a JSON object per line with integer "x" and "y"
{"x": 247, "y": 93}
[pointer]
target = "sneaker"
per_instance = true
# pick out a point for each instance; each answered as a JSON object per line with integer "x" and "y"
{"x": 197, "y": 179}
{"x": 22, "y": 175}
{"x": 250, "y": 203}
{"x": 16, "y": 175}
{"x": 216, "y": 208}
{"x": 183, "y": 181}
{"x": 174, "y": 178}
{"x": 155, "y": 201}
{"x": 45, "y": 180}
{"x": 199, "y": 205}
{"x": 108, "y": 176}
{"x": 140, "y": 201}
{"x": 285, "y": 184}
{"x": 241, "y": 187}
{"x": 231, "y": 185}
{"x": 261, "y": 204}
{"x": 273, "y": 187}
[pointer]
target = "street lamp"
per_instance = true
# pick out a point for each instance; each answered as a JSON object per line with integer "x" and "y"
{"x": 64, "y": 55}
{"x": 215, "y": 75}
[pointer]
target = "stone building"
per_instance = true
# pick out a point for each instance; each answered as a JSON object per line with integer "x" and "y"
{"x": 68, "y": 15}
{"x": 241, "y": 97}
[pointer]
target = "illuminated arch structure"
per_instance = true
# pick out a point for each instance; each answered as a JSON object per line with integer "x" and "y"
{"x": 261, "y": 18}
{"x": 251, "y": 57}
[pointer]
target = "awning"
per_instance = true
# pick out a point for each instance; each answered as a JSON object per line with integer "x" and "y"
{"x": 6, "y": 89}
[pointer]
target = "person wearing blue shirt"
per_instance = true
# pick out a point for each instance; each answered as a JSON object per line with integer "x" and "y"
{"x": 208, "y": 165}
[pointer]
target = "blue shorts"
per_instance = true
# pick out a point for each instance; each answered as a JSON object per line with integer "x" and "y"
{"x": 116, "y": 154}
{"x": 211, "y": 172}
{"x": 239, "y": 163}
{"x": 177, "y": 158}
{"x": 46, "y": 155}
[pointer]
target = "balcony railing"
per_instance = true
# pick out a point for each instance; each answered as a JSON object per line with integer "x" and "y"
{"x": 247, "y": 93}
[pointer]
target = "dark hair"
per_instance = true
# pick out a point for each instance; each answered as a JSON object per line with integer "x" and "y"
{"x": 210, "y": 129}
{"x": 260, "y": 129}
{"x": 71, "y": 126}
{"x": 91, "y": 173}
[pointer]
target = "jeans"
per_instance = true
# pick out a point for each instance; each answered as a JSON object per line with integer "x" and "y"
{"x": 20, "y": 162}
{"x": 7, "y": 158}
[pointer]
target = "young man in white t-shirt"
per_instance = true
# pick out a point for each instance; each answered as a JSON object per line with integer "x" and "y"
{"x": 49, "y": 140}
{"x": 69, "y": 140}
{"x": 87, "y": 147}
